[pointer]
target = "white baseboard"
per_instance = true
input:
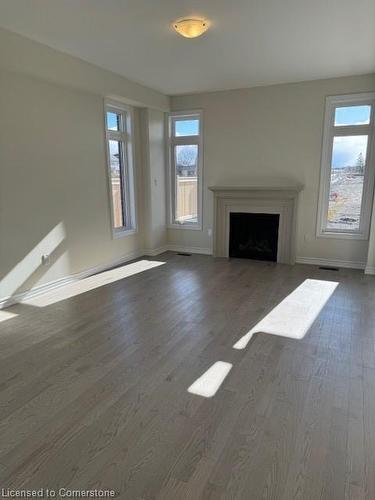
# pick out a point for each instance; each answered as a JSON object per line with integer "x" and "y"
{"x": 52, "y": 285}
{"x": 152, "y": 252}
{"x": 182, "y": 248}
{"x": 176, "y": 248}
{"x": 331, "y": 262}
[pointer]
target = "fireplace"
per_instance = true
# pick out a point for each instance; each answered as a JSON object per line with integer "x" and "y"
{"x": 253, "y": 235}
{"x": 279, "y": 201}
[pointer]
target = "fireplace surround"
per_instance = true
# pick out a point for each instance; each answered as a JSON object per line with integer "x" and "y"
{"x": 281, "y": 200}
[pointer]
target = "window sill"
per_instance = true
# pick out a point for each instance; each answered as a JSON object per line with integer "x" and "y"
{"x": 120, "y": 233}
{"x": 190, "y": 227}
{"x": 341, "y": 236}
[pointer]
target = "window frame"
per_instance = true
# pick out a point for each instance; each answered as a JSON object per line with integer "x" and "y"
{"x": 330, "y": 130}
{"x": 126, "y": 138}
{"x": 173, "y": 141}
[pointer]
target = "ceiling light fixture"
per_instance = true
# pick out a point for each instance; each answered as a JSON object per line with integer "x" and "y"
{"x": 190, "y": 28}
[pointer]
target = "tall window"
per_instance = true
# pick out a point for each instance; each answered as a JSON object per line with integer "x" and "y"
{"x": 118, "y": 123}
{"x": 347, "y": 176}
{"x": 185, "y": 155}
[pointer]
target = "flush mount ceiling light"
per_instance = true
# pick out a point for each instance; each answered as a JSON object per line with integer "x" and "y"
{"x": 190, "y": 28}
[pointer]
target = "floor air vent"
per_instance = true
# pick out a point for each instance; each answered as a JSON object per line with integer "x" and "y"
{"x": 328, "y": 268}
{"x": 184, "y": 254}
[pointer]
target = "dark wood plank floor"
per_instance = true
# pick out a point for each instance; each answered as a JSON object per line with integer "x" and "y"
{"x": 93, "y": 389}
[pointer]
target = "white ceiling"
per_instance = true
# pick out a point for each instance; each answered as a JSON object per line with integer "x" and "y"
{"x": 251, "y": 42}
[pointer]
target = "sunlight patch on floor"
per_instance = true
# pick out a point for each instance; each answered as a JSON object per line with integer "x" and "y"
{"x": 209, "y": 383}
{"x": 92, "y": 282}
{"x": 5, "y": 315}
{"x": 295, "y": 314}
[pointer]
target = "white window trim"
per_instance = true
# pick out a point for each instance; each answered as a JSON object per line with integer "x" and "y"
{"x": 171, "y": 142}
{"x": 329, "y": 131}
{"x": 127, "y": 137}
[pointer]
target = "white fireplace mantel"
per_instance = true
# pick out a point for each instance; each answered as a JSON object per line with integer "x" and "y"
{"x": 280, "y": 200}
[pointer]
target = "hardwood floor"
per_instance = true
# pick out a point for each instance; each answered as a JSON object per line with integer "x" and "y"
{"x": 93, "y": 389}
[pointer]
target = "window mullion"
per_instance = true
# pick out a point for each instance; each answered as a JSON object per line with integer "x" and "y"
{"x": 114, "y": 135}
{"x": 188, "y": 140}
{"x": 351, "y": 130}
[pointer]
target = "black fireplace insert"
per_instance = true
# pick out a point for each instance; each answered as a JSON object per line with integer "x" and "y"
{"x": 253, "y": 236}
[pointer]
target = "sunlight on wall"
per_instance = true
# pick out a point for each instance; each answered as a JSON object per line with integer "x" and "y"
{"x": 295, "y": 314}
{"x": 208, "y": 384}
{"x": 5, "y": 315}
{"x": 60, "y": 265}
{"x": 32, "y": 261}
{"x": 92, "y": 282}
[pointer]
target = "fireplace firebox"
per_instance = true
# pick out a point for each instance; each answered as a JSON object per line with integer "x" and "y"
{"x": 253, "y": 235}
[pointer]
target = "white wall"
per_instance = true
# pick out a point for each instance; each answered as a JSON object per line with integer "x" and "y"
{"x": 53, "y": 171}
{"x": 53, "y": 176}
{"x": 370, "y": 264}
{"x": 267, "y": 135}
{"x": 22, "y": 55}
{"x": 154, "y": 196}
